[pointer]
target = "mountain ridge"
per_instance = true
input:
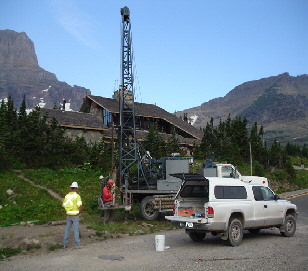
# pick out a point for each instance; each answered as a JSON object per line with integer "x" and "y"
{"x": 278, "y": 103}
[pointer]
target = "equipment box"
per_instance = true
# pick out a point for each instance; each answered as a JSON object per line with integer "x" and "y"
{"x": 169, "y": 185}
{"x": 186, "y": 211}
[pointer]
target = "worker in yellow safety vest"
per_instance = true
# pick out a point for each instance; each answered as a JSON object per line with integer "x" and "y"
{"x": 73, "y": 206}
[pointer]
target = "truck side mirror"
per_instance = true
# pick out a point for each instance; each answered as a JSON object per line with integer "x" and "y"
{"x": 277, "y": 197}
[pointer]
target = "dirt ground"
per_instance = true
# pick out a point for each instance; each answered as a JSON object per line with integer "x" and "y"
{"x": 42, "y": 238}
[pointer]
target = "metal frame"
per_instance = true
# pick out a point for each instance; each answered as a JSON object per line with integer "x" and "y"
{"x": 128, "y": 143}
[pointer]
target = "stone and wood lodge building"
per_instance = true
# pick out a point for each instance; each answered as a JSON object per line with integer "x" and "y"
{"x": 97, "y": 114}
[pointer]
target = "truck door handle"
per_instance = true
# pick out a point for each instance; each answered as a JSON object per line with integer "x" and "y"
{"x": 265, "y": 206}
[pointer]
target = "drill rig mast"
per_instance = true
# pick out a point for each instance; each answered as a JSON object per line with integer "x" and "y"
{"x": 127, "y": 137}
{"x": 142, "y": 179}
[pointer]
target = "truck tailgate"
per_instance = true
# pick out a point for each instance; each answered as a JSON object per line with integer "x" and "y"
{"x": 187, "y": 219}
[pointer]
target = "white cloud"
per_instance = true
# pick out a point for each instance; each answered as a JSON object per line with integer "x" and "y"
{"x": 75, "y": 21}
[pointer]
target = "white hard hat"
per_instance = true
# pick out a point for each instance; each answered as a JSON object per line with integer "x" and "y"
{"x": 101, "y": 177}
{"x": 74, "y": 184}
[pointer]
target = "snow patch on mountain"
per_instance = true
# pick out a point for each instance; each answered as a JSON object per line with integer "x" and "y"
{"x": 193, "y": 119}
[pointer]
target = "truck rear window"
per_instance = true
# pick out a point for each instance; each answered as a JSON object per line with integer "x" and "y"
{"x": 230, "y": 192}
{"x": 194, "y": 191}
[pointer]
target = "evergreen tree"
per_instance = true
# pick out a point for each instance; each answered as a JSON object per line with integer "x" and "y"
{"x": 258, "y": 149}
{"x": 4, "y": 162}
{"x": 292, "y": 149}
{"x": 240, "y": 139}
{"x": 172, "y": 145}
{"x": 275, "y": 155}
{"x": 154, "y": 142}
{"x": 208, "y": 141}
{"x": 289, "y": 168}
{"x": 221, "y": 139}
{"x": 305, "y": 151}
{"x": 230, "y": 142}
{"x": 101, "y": 155}
{"x": 8, "y": 131}
{"x": 185, "y": 118}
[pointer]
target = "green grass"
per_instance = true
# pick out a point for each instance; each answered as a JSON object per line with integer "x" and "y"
{"x": 6, "y": 236}
{"x": 28, "y": 203}
{"x": 301, "y": 178}
{"x": 35, "y": 204}
{"x": 8, "y": 252}
{"x": 60, "y": 180}
{"x": 295, "y": 160}
{"x": 53, "y": 247}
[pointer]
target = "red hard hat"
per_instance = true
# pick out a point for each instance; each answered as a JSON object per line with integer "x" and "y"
{"x": 110, "y": 182}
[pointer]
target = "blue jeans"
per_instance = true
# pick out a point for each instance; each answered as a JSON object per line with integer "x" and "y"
{"x": 72, "y": 220}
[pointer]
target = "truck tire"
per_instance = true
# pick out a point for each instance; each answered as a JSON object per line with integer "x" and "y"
{"x": 197, "y": 236}
{"x": 289, "y": 226}
{"x": 235, "y": 232}
{"x": 147, "y": 210}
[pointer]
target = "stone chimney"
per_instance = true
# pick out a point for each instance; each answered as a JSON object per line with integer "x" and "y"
{"x": 63, "y": 108}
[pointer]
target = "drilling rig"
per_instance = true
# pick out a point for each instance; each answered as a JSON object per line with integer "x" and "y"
{"x": 141, "y": 178}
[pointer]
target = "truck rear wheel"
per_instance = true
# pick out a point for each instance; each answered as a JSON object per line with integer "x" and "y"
{"x": 235, "y": 232}
{"x": 147, "y": 210}
{"x": 289, "y": 226}
{"x": 197, "y": 236}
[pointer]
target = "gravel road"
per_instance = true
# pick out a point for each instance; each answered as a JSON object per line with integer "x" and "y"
{"x": 267, "y": 250}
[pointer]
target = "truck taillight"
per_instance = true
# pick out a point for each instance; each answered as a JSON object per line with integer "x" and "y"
{"x": 210, "y": 212}
{"x": 174, "y": 208}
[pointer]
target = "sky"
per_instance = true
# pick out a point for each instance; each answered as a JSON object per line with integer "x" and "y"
{"x": 186, "y": 52}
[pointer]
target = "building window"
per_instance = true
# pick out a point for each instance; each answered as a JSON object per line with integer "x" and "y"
{"x": 107, "y": 116}
{"x": 230, "y": 192}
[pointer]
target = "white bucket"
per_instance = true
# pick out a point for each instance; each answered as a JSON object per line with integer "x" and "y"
{"x": 160, "y": 242}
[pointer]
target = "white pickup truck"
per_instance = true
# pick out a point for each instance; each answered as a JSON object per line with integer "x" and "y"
{"x": 226, "y": 207}
{"x": 229, "y": 171}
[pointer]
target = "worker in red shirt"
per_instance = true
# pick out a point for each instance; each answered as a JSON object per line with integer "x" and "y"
{"x": 108, "y": 194}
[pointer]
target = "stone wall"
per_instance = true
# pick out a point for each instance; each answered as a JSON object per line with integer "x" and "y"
{"x": 89, "y": 135}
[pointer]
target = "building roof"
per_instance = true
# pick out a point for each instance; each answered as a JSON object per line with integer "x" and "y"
{"x": 149, "y": 110}
{"x": 74, "y": 119}
{"x": 142, "y": 134}
{"x": 80, "y": 120}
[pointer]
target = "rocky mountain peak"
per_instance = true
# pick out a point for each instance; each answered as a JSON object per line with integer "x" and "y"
{"x": 16, "y": 50}
{"x": 21, "y": 76}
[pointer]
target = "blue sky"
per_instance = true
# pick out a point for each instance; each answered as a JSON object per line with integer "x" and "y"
{"x": 185, "y": 52}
